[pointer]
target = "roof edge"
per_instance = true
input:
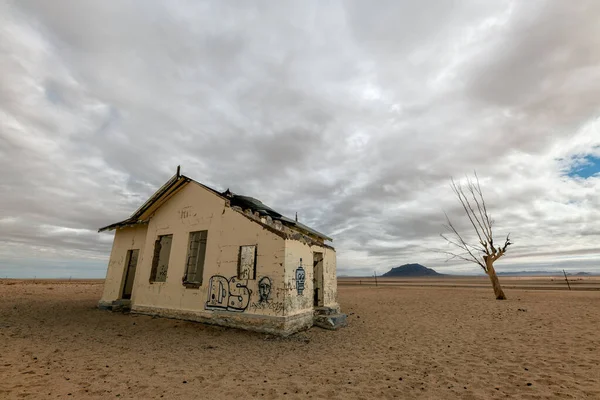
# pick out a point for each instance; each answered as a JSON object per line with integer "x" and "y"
{"x": 176, "y": 180}
{"x": 122, "y": 224}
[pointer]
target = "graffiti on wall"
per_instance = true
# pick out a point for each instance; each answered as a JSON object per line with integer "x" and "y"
{"x": 300, "y": 278}
{"x": 227, "y": 294}
{"x": 275, "y": 306}
{"x": 264, "y": 297}
{"x": 264, "y": 289}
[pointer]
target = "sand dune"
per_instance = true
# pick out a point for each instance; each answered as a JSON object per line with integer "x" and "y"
{"x": 402, "y": 342}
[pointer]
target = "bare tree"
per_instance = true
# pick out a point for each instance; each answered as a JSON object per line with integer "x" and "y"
{"x": 485, "y": 253}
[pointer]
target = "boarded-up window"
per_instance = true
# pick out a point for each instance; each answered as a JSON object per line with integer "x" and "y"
{"x": 160, "y": 260}
{"x": 247, "y": 262}
{"x": 195, "y": 258}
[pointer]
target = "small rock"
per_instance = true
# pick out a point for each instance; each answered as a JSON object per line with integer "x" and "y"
{"x": 184, "y": 381}
{"x": 529, "y": 383}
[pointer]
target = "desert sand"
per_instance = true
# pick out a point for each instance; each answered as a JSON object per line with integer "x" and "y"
{"x": 425, "y": 339}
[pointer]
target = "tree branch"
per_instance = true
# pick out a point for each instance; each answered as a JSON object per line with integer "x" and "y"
{"x": 476, "y": 210}
{"x": 485, "y": 226}
{"x": 466, "y": 206}
{"x": 460, "y": 256}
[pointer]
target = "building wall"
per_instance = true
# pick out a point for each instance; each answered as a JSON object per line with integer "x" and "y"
{"x": 301, "y": 300}
{"x": 128, "y": 238}
{"x": 195, "y": 208}
{"x": 330, "y": 278}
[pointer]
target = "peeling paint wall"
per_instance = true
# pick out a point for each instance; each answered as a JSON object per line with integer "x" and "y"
{"x": 128, "y": 238}
{"x": 194, "y": 209}
{"x": 330, "y": 279}
{"x": 299, "y": 301}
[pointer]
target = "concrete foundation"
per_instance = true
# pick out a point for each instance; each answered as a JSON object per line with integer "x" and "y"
{"x": 116, "y": 305}
{"x": 329, "y": 318}
{"x": 332, "y": 322}
{"x": 277, "y": 325}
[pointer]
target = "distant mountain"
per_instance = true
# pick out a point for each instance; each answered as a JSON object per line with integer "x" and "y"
{"x": 411, "y": 270}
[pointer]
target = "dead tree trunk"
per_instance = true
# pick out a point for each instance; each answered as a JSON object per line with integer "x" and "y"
{"x": 482, "y": 250}
{"x": 491, "y": 272}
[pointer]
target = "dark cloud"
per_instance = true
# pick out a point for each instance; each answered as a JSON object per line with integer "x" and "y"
{"x": 352, "y": 115}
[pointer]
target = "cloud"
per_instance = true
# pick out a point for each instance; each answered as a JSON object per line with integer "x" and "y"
{"x": 353, "y": 116}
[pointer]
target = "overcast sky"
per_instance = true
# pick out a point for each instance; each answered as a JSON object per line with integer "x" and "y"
{"x": 352, "y": 113}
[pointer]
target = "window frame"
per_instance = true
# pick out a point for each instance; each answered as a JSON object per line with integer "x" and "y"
{"x": 197, "y": 283}
{"x": 239, "y": 266}
{"x": 156, "y": 259}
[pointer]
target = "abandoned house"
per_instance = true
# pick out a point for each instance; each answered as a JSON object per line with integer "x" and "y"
{"x": 194, "y": 253}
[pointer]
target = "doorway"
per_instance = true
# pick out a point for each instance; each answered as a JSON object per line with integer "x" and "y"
{"x": 130, "y": 266}
{"x": 318, "y": 279}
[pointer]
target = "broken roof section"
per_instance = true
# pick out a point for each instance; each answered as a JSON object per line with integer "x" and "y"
{"x": 178, "y": 181}
{"x": 246, "y": 202}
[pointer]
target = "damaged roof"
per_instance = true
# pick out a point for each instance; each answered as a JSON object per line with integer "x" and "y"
{"x": 142, "y": 214}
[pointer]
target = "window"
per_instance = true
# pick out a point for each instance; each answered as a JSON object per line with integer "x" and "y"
{"x": 160, "y": 260}
{"x": 247, "y": 262}
{"x": 194, "y": 268}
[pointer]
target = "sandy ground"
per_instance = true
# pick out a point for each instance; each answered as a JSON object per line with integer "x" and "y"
{"x": 402, "y": 342}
